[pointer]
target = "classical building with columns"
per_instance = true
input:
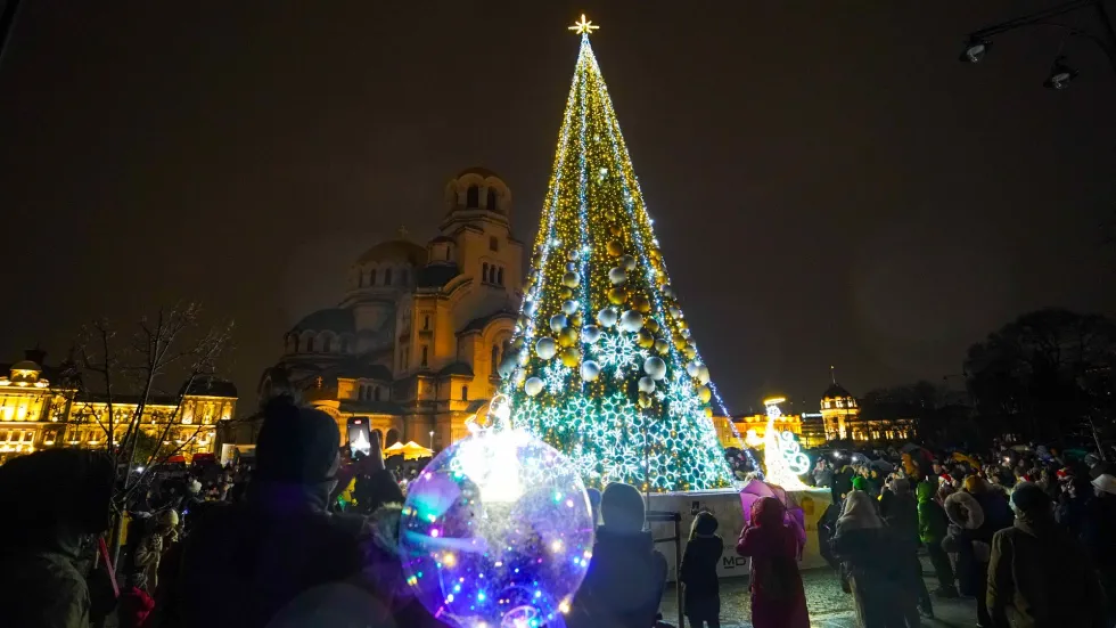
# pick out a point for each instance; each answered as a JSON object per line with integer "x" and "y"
{"x": 414, "y": 343}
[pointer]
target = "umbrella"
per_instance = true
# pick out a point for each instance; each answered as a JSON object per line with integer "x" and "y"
{"x": 413, "y": 451}
{"x": 394, "y": 450}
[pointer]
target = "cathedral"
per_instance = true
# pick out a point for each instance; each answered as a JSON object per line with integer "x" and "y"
{"x": 414, "y": 343}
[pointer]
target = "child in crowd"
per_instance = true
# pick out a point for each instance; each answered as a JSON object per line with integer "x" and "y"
{"x": 702, "y": 600}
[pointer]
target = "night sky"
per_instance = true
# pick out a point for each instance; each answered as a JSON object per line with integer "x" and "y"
{"x": 829, "y": 184}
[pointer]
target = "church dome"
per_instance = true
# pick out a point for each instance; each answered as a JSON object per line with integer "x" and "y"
{"x": 836, "y": 391}
{"x": 26, "y": 365}
{"x": 483, "y": 173}
{"x": 332, "y": 319}
{"x": 395, "y": 251}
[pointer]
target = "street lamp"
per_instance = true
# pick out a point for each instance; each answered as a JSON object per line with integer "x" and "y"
{"x": 978, "y": 43}
{"x": 1060, "y": 75}
{"x": 975, "y": 50}
{"x": 432, "y": 440}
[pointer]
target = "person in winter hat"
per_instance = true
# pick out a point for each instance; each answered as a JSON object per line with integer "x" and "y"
{"x": 778, "y": 599}
{"x": 698, "y": 572}
{"x": 932, "y": 529}
{"x": 280, "y": 556}
{"x": 1039, "y": 575}
{"x": 54, "y": 503}
{"x": 967, "y": 539}
{"x": 624, "y": 583}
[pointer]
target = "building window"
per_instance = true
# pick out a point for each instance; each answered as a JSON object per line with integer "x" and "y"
{"x": 424, "y": 355}
{"x": 328, "y": 344}
{"x": 403, "y": 277}
{"x": 491, "y": 201}
{"x": 484, "y": 274}
{"x": 372, "y": 277}
{"x": 310, "y": 345}
{"x": 500, "y": 276}
{"x": 472, "y": 197}
{"x": 426, "y": 322}
{"x": 387, "y": 277}
{"x": 447, "y": 253}
{"x": 464, "y": 393}
{"x": 495, "y": 360}
{"x": 376, "y": 393}
{"x": 493, "y": 244}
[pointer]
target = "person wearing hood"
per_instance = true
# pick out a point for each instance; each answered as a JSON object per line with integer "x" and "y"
{"x": 1039, "y": 575}
{"x": 698, "y": 572}
{"x": 866, "y": 550}
{"x": 967, "y": 539}
{"x": 932, "y": 527}
{"x": 778, "y": 599}
{"x": 54, "y": 503}
{"x": 902, "y": 518}
{"x": 626, "y": 577}
{"x": 280, "y": 553}
{"x": 1097, "y": 533}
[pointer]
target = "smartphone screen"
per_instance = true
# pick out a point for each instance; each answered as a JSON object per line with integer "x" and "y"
{"x": 360, "y": 436}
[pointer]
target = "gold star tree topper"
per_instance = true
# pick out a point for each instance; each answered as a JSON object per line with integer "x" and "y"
{"x": 584, "y": 27}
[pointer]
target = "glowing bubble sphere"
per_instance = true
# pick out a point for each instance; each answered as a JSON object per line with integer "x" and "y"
{"x": 496, "y": 532}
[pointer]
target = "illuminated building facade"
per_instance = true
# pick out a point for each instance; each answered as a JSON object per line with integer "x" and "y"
{"x": 38, "y": 413}
{"x": 841, "y": 415}
{"x": 804, "y": 427}
{"x": 415, "y": 341}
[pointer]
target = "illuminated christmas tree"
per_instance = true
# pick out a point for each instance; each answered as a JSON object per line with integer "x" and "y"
{"x": 603, "y": 365}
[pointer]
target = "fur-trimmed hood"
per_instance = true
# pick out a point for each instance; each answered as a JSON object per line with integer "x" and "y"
{"x": 964, "y": 510}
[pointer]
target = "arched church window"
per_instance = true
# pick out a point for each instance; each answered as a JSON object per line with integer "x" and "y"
{"x": 491, "y": 201}
{"x": 484, "y": 274}
{"x": 387, "y": 276}
{"x": 310, "y": 345}
{"x": 376, "y": 393}
{"x": 472, "y": 197}
{"x": 372, "y": 277}
{"x": 500, "y": 276}
{"x": 328, "y": 346}
{"x": 493, "y": 243}
{"x": 403, "y": 277}
{"x": 495, "y": 359}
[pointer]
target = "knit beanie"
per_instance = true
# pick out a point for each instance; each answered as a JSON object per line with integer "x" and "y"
{"x": 622, "y": 508}
{"x": 1030, "y": 499}
{"x": 296, "y": 444}
{"x": 860, "y": 484}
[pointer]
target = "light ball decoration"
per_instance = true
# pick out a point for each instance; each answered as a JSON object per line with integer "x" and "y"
{"x": 558, "y": 322}
{"x": 704, "y": 393}
{"x": 655, "y": 368}
{"x": 651, "y": 324}
{"x": 591, "y": 334}
{"x": 497, "y": 531}
{"x": 607, "y": 317}
{"x": 532, "y": 308}
{"x": 703, "y": 374}
{"x": 617, "y": 295}
{"x": 641, "y": 304}
{"x": 617, "y": 276}
{"x": 571, "y": 280}
{"x": 646, "y": 385}
{"x": 692, "y": 369}
{"x": 615, "y": 249}
{"x": 645, "y": 339}
{"x": 675, "y": 313}
{"x": 628, "y": 262}
{"x": 668, "y": 292}
{"x": 573, "y": 255}
{"x": 533, "y": 386}
{"x": 590, "y": 370}
{"x": 508, "y": 364}
{"x": 644, "y": 400}
{"x": 631, "y": 321}
{"x": 570, "y": 307}
{"x": 545, "y": 347}
{"x": 572, "y": 267}
{"x": 662, "y": 346}
{"x": 570, "y": 356}
{"x": 567, "y": 337}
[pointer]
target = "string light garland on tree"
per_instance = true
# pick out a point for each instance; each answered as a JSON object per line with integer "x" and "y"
{"x": 599, "y": 303}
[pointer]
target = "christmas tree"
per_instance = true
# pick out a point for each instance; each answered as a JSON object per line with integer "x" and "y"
{"x": 603, "y": 365}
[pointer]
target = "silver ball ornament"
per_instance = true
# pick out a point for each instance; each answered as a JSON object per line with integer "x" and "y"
{"x": 655, "y": 368}
{"x": 533, "y": 386}
{"x": 646, "y": 385}
{"x": 591, "y": 334}
{"x": 558, "y": 322}
{"x": 546, "y": 348}
{"x": 607, "y": 317}
{"x": 631, "y": 321}
{"x": 590, "y": 370}
{"x": 617, "y": 276}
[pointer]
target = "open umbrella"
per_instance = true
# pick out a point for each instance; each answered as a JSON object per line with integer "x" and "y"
{"x": 413, "y": 451}
{"x": 395, "y": 450}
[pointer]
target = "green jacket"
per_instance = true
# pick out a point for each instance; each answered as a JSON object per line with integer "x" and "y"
{"x": 932, "y": 524}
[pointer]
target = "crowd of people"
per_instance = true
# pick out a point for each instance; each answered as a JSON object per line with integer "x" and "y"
{"x": 1024, "y": 531}
{"x": 309, "y": 537}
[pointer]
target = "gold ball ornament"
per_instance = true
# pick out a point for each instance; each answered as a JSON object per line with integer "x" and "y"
{"x": 615, "y": 231}
{"x": 617, "y": 295}
{"x": 567, "y": 337}
{"x": 570, "y": 356}
{"x": 615, "y": 249}
{"x": 662, "y": 346}
{"x": 571, "y": 280}
{"x": 645, "y": 400}
{"x": 690, "y": 352}
{"x": 651, "y": 325}
{"x": 641, "y": 304}
{"x": 709, "y": 412}
{"x": 565, "y": 293}
{"x": 646, "y": 339}
{"x": 576, "y": 320}
{"x": 704, "y": 393}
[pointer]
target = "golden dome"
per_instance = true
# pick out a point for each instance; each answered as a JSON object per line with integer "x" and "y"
{"x": 395, "y": 251}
